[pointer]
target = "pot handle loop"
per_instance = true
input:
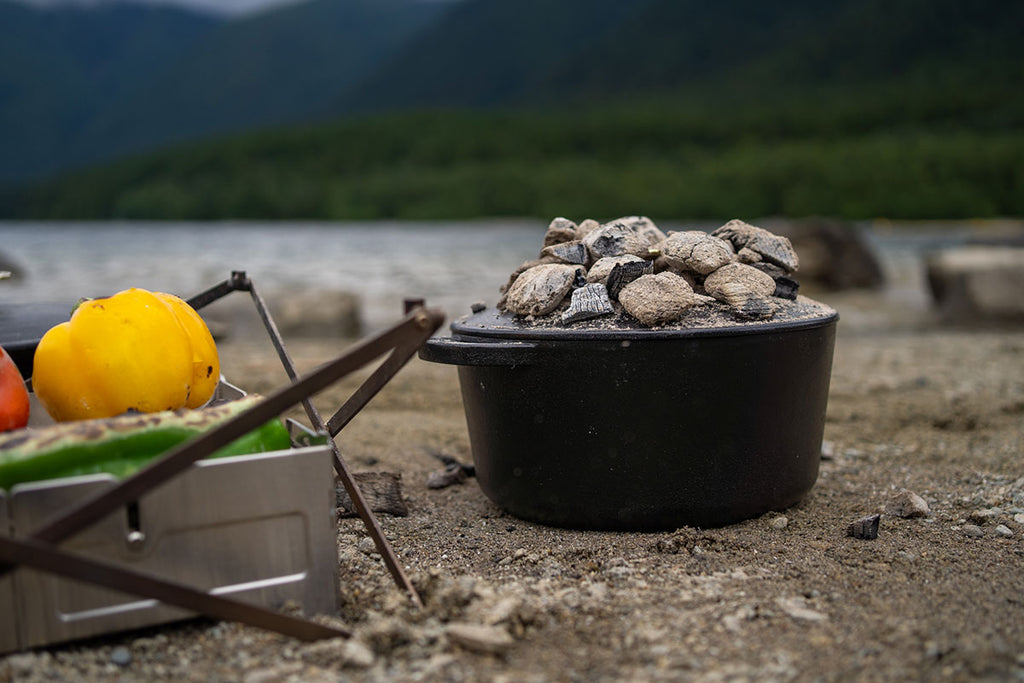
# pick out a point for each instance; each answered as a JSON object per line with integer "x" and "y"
{"x": 497, "y": 353}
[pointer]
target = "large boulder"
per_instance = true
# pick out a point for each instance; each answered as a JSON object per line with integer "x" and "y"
{"x": 978, "y": 284}
{"x": 834, "y": 254}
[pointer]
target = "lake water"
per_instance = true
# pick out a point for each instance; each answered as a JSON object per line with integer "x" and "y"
{"x": 449, "y": 264}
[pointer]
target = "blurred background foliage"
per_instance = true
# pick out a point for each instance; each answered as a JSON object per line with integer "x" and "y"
{"x": 585, "y": 109}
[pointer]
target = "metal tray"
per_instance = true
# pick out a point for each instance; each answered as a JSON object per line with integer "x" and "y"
{"x": 260, "y": 528}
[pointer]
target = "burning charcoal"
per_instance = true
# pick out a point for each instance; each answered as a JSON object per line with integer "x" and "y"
{"x": 657, "y": 299}
{"x": 381, "y": 490}
{"x": 451, "y": 474}
{"x": 586, "y": 227}
{"x": 696, "y": 251}
{"x": 786, "y": 288}
{"x": 748, "y": 256}
{"x": 540, "y": 289}
{"x": 567, "y": 252}
{"x": 748, "y": 278}
{"x": 745, "y": 289}
{"x": 771, "y": 247}
{"x": 615, "y": 239}
{"x": 625, "y": 272}
{"x": 560, "y": 230}
{"x": 600, "y": 271}
{"x": 644, "y": 227}
{"x": 866, "y": 528}
{"x": 589, "y": 301}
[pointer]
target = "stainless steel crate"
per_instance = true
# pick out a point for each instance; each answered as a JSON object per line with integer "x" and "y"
{"x": 260, "y": 528}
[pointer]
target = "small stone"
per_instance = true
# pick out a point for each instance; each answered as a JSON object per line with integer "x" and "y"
{"x": 982, "y": 517}
{"x": 866, "y": 527}
{"x": 779, "y": 523}
{"x": 907, "y": 504}
{"x": 828, "y": 450}
{"x": 366, "y": 546}
{"x": 973, "y": 531}
{"x": 357, "y": 654}
{"x": 798, "y": 609}
{"x": 1003, "y": 531}
{"x": 485, "y": 639}
{"x": 121, "y": 656}
{"x": 1019, "y": 518}
{"x": 451, "y": 474}
{"x": 477, "y": 306}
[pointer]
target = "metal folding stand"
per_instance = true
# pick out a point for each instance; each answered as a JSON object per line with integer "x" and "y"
{"x": 38, "y": 549}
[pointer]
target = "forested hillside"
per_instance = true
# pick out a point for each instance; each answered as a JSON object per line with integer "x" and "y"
{"x": 855, "y": 108}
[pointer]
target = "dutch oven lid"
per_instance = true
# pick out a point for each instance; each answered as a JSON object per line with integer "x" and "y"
{"x": 492, "y": 323}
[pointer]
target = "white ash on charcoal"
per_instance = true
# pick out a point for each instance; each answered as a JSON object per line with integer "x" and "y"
{"x": 539, "y": 290}
{"x": 695, "y": 251}
{"x": 737, "y": 274}
{"x": 589, "y": 301}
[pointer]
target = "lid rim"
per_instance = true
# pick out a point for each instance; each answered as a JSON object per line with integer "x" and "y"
{"x": 492, "y": 324}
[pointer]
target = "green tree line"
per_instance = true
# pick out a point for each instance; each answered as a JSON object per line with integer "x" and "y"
{"x": 897, "y": 152}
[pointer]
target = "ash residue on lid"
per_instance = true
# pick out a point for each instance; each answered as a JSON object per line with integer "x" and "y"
{"x": 739, "y": 274}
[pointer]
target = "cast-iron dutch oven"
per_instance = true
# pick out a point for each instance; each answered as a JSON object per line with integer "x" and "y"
{"x": 642, "y": 429}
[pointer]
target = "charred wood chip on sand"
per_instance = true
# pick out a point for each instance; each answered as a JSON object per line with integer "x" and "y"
{"x": 866, "y": 527}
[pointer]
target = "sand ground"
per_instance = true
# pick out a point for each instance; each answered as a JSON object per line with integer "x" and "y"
{"x": 787, "y": 596}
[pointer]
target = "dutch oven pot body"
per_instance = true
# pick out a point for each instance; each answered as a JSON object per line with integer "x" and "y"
{"x": 646, "y": 429}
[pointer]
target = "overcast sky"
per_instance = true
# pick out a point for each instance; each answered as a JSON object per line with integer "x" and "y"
{"x": 223, "y": 7}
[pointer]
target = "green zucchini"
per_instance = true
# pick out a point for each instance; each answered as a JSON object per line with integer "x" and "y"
{"x": 124, "y": 444}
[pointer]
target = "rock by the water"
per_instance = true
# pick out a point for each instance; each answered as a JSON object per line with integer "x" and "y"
{"x": 589, "y": 301}
{"x": 769, "y": 246}
{"x": 657, "y": 299}
{"x": 539, "y": 290}
{"x": 695, "y": 251}
{"x": 973, "y": 284}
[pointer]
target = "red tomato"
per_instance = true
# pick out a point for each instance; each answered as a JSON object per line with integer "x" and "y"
{"x": 13, "y": 395}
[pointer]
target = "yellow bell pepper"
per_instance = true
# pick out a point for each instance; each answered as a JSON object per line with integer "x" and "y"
{"x": 136, "y": 350}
